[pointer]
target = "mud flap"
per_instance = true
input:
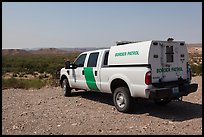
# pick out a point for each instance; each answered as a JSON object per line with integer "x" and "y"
{"x": 193, "y": 88}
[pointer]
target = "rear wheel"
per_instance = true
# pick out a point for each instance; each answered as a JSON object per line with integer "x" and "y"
{"x": 162, "y": 101}
{"x": 122, "y": 99}
{"x": 66, "y": 88}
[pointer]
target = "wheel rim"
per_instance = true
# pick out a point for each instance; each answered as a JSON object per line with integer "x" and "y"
{"x": 120, "y": 100}
{"x": 64, "y": 87}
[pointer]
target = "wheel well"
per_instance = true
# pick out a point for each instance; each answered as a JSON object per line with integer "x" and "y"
{"x": 62, "y": 78}
{"x": 118, "y": 83}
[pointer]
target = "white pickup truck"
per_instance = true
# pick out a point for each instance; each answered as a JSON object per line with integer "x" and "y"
{"x": 157, "y": 70}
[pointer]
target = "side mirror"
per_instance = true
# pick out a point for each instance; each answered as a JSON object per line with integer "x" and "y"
{"x": 73, "y": 66}
{"x": 67, "y": 64}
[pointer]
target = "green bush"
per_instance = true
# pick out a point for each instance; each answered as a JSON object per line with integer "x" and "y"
{"x": 196, "y": 69}
{"x": 30, "y": 63}
{"x": 22, "y": 83}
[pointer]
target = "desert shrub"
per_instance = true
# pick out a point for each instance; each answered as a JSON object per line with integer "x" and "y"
{"x": 31, "y": 63}
{"x": 34, "y": 83}
{"x": 11, "y": 83}
{"x": 22, "y": 83}
{"x": 196, "y": 69}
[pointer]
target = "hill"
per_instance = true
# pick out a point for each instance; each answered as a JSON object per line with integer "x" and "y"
{"x": 191, "y": 48}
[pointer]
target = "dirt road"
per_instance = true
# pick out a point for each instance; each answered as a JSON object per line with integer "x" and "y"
{"x": 47, "y": 111}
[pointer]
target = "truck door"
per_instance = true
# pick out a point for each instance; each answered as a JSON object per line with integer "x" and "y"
{"x": 91, "y": 72}
{"x": 77, "y": 78}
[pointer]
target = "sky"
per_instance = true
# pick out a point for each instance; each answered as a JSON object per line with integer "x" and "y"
{"x": 97, "y": 24}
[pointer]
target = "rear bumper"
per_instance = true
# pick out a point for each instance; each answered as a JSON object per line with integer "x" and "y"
{"x": 173, "y": 92}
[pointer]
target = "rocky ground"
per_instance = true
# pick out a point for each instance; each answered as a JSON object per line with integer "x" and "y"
{"x": 47, "y": 111}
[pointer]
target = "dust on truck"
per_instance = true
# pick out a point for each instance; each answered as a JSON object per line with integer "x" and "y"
{"x": 156, "y": 70}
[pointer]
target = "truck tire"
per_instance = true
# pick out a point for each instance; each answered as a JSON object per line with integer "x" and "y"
{"x": 122, "y": 99}
{"x": 162, "y": 101}
{"x": 66, "y": 88}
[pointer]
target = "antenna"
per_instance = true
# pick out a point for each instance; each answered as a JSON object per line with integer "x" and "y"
{"x": 170, "y": 39}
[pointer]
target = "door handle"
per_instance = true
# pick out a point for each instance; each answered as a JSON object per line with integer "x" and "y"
{"x": 82, "y": 72}
{"x": 95, "y": 73}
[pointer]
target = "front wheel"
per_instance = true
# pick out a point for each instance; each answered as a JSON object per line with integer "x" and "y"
{"x": 66, "y": 88}
{"x": 122, "y": 99}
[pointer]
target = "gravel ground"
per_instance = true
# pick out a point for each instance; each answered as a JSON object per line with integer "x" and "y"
{"x": 48, "y": 112}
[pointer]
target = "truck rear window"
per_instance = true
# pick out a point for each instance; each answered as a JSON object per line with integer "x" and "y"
{"x": 105, "y": 62}
{"x": 93, "y": 59}
{"x": 169, "y": 54}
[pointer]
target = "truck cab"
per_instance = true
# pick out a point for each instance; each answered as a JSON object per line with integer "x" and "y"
{"x": 84, "y": 72}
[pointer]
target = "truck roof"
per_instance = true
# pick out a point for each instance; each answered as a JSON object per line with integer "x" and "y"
{"x": 119, "y": 43}
{"x": 99, "y": 50}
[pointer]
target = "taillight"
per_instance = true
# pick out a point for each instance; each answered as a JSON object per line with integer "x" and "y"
{"x": 148, "y": 78}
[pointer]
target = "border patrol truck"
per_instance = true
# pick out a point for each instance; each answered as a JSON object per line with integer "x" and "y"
{"x": 157, "y": 70}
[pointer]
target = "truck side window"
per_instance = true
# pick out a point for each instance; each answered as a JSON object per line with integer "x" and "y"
{"x": 80, "y": 60}
{"x": 93, "y": 57}
{"x": 169, "y": 54}
{"x": 105, "y": 62}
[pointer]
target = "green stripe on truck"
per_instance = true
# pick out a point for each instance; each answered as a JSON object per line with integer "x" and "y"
{"x": 90, "y": 80}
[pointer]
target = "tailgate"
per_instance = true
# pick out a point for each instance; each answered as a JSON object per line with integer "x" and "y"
{"x": 169, "y": 62}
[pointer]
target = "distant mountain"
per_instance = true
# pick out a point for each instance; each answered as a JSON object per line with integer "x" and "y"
{"x": 45, "y": 51}
{"x": 194, "y": 45}
{"x": 68, "y": 50}
{"x": 82, "y": 49}
{"x": 48, "y": 51}
{"x": 14, "y": 51}
{"x": 194, "y": 48}
{"x": 39, "y": 51}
